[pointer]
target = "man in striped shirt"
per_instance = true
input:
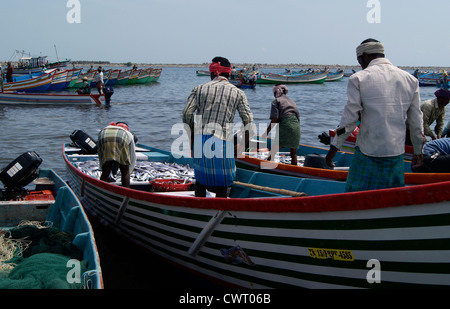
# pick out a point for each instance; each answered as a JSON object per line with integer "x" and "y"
{"x": 216, "y": 103}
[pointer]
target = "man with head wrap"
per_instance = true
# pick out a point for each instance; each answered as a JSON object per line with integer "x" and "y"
{"x": 434, "y": 110}
{"x": 284, "y": 111}
{"x": 216, "y": 103}
{"x": 385, "y": 99}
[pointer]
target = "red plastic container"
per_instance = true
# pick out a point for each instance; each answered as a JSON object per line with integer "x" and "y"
{"x": 169, "y": 185}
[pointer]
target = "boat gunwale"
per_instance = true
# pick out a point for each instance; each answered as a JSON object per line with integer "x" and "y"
{"x": 373, "y": 199}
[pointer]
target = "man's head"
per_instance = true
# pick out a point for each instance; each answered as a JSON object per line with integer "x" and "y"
{"x": 220, "y": 66}
{"x": 443, "y": 97}
{"x": 368, "y": 50}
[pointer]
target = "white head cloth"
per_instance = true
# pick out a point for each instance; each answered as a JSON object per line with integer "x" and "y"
{"x": 370, "y": 48}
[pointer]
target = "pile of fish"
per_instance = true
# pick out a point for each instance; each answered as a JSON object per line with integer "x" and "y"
{"x": 280, "y": 157}
{"x": 144, "y": 171}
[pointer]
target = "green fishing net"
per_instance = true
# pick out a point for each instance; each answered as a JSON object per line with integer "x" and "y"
{"x": 33, "y": 257}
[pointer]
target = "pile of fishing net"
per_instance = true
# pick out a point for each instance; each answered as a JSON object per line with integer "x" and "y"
{"x": 34, "y": 256}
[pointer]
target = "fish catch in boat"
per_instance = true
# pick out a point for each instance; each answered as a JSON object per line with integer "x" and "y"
{"x": 144, "y": 171}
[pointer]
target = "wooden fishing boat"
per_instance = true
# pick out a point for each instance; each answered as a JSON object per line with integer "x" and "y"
{"x": 60, "y": 80}
{"x": 72, "y": 76}
{"x": 123, "y": 77}
{"x": 144, "y": 76}
{"x": 52, "y": 201}
{"x": 133, "y": 76}
{"x": 79, "y": 82}
{"x": 106, "y": 76}
{"x": 239, "y": 84}
{"x": 202, "y": 73}
{"x": 16, "y": 98}
{"x": 342, "y": 161}
{"x": 36, "y": 84}
{"x": 113, "y": 77}
{"x": 309, "y": 78}
{"x": 335, "y": 76}
{"x": 261, "y": 239}
{"x": 155, "y": 75}
{"x": 431, "y": 79}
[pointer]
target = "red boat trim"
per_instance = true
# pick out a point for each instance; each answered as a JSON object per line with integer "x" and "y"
{"x": 375, "y": 199}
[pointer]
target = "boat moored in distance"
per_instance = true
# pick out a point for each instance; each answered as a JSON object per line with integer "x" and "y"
{"x": 60, "y": 80}
{"x": 276, "y": 231}
{"x": 14, "y": 98}
{"x": 47, "y": 205}
{"x": 35, "y": 84}
{"x": 335, "y": 76}
{"x": 309, "y": 77}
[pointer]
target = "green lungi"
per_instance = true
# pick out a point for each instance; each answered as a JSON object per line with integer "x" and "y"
{"x": 289, "y": 132}
{"x": 370, "y": 173}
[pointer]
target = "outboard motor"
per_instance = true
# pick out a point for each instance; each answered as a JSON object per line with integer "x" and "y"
{"x": 109, "y": 91}
{"x": 19, "y": 173}
{"x": 84, "y": 141}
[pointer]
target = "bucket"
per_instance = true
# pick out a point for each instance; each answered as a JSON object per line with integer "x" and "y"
{"x": 169, "y": 185}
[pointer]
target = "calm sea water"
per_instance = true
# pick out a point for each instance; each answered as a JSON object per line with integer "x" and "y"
{"x": 151, "y": 110}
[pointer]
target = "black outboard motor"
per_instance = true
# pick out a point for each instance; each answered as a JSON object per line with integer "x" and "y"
{"x": 84, "y": 141}
{"x": 19, "y": 173}
{"x": 109, "y": 91}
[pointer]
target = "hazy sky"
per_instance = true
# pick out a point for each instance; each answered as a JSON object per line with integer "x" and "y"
{"x": 252, "y": 31}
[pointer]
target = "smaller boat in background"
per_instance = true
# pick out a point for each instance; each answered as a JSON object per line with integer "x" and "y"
{"x": 202, "y": 73}
{"x": 335, "y": 76}
{"x": 144, "y": 76}
{"x": 123, "y": 77}
{"x": 59, "y": 81}
{"x": 36, "y": 84}
{"x": 14, "y": 98}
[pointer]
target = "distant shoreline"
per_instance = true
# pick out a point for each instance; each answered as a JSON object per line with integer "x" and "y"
{"x": 95, "y": 64}
{"x": 250, "y": 65}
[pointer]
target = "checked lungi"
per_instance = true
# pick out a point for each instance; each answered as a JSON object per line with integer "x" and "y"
{"x": 214, "y": 164}
{"x": 370, "y": 173}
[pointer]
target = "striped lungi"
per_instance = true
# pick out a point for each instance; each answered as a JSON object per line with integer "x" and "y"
{"x": 370, "y": 173}
{"x": 214, "y": 164}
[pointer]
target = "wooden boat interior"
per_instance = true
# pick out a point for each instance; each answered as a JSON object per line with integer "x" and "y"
{"x": 248, "y": 184}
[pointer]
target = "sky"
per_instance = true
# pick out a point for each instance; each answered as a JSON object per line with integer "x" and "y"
{"x": 414, "y": 32}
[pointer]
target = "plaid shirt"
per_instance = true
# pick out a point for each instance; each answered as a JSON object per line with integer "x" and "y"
{"x": 116, "y": 144}
{"x": 216, "y": 102}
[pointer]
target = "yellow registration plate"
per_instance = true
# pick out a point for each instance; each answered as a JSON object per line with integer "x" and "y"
{"x": 335, "y": 254}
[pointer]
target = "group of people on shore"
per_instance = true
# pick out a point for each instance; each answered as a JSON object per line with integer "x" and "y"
{"x": 383, "y": 101}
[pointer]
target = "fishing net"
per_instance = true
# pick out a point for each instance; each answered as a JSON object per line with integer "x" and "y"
{"x": 35, "y": 257}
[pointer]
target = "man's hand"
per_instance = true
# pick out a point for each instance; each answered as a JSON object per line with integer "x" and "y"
{"x": 330, "y": 156}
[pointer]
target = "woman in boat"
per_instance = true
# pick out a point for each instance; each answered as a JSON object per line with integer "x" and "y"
{"x": 284, "y": 111}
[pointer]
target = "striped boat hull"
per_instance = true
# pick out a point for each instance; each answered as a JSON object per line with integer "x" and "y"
{"x": 36, "y": 84}
{"x": 326, "y": 241}
{"x": 47, "y": 98}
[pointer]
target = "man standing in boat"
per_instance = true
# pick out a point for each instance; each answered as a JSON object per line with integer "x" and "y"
{"x": 386, "y": 99}
{"x": 216, "y": 103}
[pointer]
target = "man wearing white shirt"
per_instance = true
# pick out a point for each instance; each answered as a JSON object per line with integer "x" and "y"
{"x": 385, "y": 99}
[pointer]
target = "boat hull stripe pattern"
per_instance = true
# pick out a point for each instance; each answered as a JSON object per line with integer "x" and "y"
{"x": 289, "y": 250}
